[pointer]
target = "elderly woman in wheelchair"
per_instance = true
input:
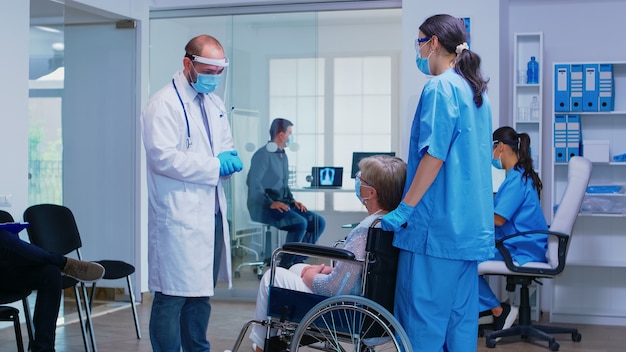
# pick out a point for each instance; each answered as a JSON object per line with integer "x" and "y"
{"x": 293, "y": 311}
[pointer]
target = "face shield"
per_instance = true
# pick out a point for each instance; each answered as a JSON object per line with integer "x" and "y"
{"x": 220, "y": 90}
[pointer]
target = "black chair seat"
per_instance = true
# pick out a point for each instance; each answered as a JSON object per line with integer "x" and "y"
{"x": 116, "y": 269}
{"x": 7, "y": 313}
{"x": 13, "y": 296}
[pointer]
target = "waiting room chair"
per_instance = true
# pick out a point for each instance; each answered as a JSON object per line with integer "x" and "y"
{"x": 8, "y": 313}
{"x": 52, "y": 227}
{"x": 559, "y": 239}
{"x": 62, "y": 217}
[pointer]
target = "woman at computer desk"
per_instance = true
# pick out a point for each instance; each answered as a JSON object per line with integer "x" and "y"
{"x": 379, "y": 185}
{"x": 516, "y": 209}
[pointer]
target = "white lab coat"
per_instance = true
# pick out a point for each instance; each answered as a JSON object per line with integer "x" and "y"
{"x": 181, "y": 189}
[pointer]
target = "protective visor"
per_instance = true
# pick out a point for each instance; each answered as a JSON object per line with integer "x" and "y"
{"x": 203, "y": 60}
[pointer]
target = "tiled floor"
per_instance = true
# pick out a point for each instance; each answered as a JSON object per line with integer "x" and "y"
{"x": 115, "y": 332}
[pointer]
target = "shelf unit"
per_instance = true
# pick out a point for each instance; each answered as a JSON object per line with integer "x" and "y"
{"x": 593, "y": 285}
{"x": 525, "y": 46}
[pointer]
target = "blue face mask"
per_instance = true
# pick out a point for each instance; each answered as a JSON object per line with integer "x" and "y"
{"x": 422, "y": 62}
{"x": 206, "y": 83}
{"x": 357, "y": 188}
{"x": 497, "y": 163}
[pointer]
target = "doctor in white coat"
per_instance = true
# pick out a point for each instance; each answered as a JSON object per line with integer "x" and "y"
{"x": 189, "y": 152}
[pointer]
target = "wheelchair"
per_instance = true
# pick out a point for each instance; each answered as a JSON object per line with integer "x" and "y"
{"x": 310, "y": 322}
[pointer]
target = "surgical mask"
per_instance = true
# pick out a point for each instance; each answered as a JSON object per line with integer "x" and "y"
{"x": 357, "y": 189}
{"x": 497, "y": 163}
{"x": 206, "y": 83}
{"x": 289, "y": 141}
{"x": 422, "y": 63}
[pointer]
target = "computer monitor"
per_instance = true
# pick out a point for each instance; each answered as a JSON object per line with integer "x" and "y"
{"x": 357, "y": 156}
{"x": 326, "y": 177}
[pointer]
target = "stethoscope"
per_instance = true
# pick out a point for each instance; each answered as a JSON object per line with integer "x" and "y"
{"x": 188, "y": 140}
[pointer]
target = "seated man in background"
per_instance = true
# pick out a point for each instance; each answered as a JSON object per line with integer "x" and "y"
{"x": 28, "y": 267}
{"x": 270, "y": 200}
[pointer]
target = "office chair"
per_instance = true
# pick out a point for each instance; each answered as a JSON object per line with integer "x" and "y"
{"x": 52, "y": 227}
{"x": 560, "y": 235}
{"x": 8, "y": 313}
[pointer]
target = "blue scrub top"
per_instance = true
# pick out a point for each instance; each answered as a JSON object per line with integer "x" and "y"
{"x": 517, "y": 201}
{"x": 454, "y": 219}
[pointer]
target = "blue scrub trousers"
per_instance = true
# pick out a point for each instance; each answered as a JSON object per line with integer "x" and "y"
{"x": 177, "y": 321}
{"x": 486, "y": 298}
{"x": 436, "y": 302}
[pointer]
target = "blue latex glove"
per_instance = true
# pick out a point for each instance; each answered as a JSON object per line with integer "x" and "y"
{"x": 229, "y": 162}
{"x": 396, "y": 220}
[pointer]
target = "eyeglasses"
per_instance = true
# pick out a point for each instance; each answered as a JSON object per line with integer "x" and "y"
{"x": 208, "y": 71}
{"x": 358, "y": 175}
{"x": 495, "y": 143}
{"x": 419, "y": 41}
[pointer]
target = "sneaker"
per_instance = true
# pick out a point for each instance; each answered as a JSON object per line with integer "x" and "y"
{"x": 83, "y": 271}
{"x": 507, "y": 318}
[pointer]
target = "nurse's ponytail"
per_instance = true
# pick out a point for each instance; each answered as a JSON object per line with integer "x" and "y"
{"x": 450, "y": 32}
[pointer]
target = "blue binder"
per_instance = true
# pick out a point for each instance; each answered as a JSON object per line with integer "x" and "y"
{"x": 561, "y": 87}
{"x": 560, "y": 138}
{"x": 590, "y": 87}
{"x": 573, "y": 136}
{"x": 606, "y": 88}
{"x": 576, "y": 87}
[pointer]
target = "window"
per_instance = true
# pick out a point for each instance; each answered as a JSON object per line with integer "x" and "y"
{"x": 350, "y": 112}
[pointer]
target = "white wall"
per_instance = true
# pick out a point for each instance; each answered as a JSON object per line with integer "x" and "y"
{"x": 14, "y": 19}
{"x": 580, "y": 31}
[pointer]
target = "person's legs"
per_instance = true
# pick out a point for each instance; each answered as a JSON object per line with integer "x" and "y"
{"x": 315, "y": 226}
{"x": 49, "y": 290}
{"x": 289, "y": 279}
{"x": 295, "y": 224}
{"x": 462, "y": 328}
{"x": 165, "y": 322}
{"x": 194, "y": 322}
{"x": 27, "y": 254}
{"x": 196, "y": 312}
{"x": 417, "y": 303}
{"x": 487, "y": 300}
{"x": 46, "y": 279}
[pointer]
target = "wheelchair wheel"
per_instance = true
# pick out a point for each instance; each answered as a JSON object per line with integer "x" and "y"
{"x": 349, "y": 323}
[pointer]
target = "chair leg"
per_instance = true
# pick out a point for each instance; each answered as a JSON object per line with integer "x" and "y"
{"x": 79, "y": 310}
{"x": 525, "y": 328}
{"x": 15, "y": 317}
{"x": 29, "y": 321}
{"x": 132, "y": 305}
{"x": 88, "y": 322}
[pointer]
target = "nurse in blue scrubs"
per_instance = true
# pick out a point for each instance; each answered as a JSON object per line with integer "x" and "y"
{"x": 444, "y": 225}
{"x": 516, "y": 209}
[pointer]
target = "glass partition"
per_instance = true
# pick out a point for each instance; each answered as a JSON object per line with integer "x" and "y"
{"x": 333, "y": 74}
{"x": 46, "y": 74}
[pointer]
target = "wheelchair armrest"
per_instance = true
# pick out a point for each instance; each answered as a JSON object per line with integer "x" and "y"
{"x": 317, "y": 250}
{"x": 508, "y": 260}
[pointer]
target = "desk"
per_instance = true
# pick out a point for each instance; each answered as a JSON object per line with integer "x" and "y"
{"x": 325, "y": 190}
